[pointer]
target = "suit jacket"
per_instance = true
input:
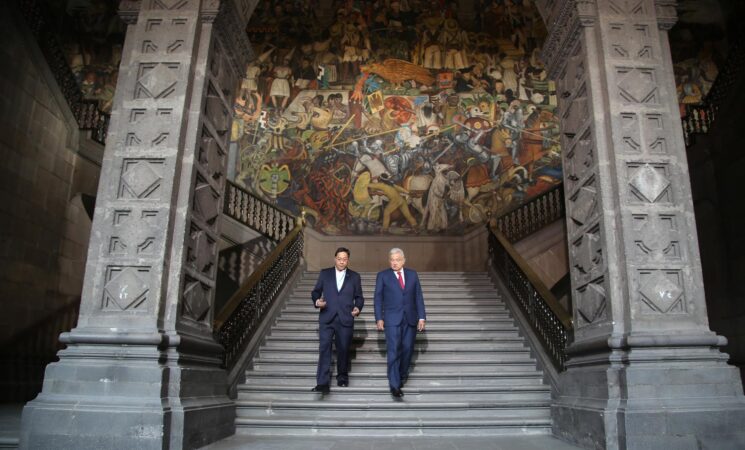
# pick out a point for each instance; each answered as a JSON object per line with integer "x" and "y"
{"x": 393, "y": 304}
{"x": 340, "y": 302}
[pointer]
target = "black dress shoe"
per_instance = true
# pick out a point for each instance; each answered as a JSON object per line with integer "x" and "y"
{"x": 322, "y": 388}
{"x": 396, "y": 392}
{"x": 404, "y": 380}
{"x": 342, "y": 383}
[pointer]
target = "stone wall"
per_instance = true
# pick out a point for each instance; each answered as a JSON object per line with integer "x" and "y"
{"x": 423, "y": 253}
{"x": 44, "y": 229}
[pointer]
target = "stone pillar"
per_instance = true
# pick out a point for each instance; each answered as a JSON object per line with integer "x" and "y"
{"x": 645, "y": 371}
{"x": 141, "y": 369}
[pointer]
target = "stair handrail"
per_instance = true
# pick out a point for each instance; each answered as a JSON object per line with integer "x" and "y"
{"x": 551, "y": 323}
{"x": 256, "y": 213}
{"x": 235, "y": 324}
{"x": 527, "y": 218}
{"x": 699, "y": 117}
{"x": 86, "y": 112}
{"x": 29, "y": 351}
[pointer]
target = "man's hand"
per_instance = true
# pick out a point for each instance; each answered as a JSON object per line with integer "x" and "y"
{"x": 320, "y": 303}
{"x": 380, "y": 325}
{"x": 355, "y": 312}
{"x": 420, "y": 325}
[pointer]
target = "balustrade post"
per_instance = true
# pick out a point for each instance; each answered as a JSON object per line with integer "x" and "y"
{"x": 644, "y": 370}
{"x": 141, "y": 370}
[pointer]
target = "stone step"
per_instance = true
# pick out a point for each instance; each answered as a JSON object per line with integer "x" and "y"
{"x": 440, "y": 343}
{"x": 423, "y": 367}
{"x": 453, "y": 308}
{"x": 372, "y": 335}
{"x": 391, "y": 426}
{"x": 472, "y": 372}
{"x": 461, "y": 330}
{"x": 329, "y": 409}
{"x": 436, "y": 317}
{"x": 353, "y": 393}
{"x": 307, "y": 379}
{"x": 421, "y": 347}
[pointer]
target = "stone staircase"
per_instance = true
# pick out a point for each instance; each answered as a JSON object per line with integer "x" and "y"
{"x": 472, "y": 372}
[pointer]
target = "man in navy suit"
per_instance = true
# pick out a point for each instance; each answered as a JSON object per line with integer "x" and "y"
{"x": 399, "y": 311}
{"x": 338, "y": 295}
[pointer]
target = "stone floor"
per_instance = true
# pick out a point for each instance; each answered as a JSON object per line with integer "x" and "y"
{"x": 389, "y": 443}
{"x": 10, "y": 423}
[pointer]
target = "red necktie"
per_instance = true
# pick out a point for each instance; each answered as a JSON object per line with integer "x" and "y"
{"x": 400, "y": 280}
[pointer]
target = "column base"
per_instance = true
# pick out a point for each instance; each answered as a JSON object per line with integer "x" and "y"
{"x": 138, "y": 396}
{"x": 658, "y": 401}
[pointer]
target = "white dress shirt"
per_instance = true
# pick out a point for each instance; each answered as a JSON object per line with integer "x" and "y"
{"x": 340, "y": 278}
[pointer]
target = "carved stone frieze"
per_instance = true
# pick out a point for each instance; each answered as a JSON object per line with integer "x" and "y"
{"x": 230, "y": 32}
{"x": 657, "y": 236}
{"x": 662, "y": 291}
{"x": 637, "y": 85}
{"x": 129, "y": 10}
{"x": 126, "y": 288}
{"x": 141, "y": 178}
{"x": 649, "y": 183}
{"x": 170, "y": 4}
{"x": 196, "y": 302}
{"x": 157, "y": 80}
{"x": 591, "y": 303}
{"x": 587, "y": 253}
{"x": 564, "y": 29}
{"x": 583, "y": 205}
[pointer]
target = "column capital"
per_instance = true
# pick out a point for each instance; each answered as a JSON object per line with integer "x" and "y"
{"x": 667, "y": 16}
{"x": 129, "y": 10}
{"x": 564, "y": 21}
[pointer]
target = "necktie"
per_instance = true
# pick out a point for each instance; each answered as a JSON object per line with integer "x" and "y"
{"x": 400, "y": 280}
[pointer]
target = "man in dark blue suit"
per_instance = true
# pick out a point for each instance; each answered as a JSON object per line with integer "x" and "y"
{"x": 338, "y": 295}
{"x": 399, "y": 311}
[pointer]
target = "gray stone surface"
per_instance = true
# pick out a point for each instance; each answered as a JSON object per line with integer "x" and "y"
{"x": 141, "y": 369}
{"x": 643, "y": 353}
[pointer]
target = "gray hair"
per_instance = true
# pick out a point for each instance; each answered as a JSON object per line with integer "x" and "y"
{"x": 395, "y": 250}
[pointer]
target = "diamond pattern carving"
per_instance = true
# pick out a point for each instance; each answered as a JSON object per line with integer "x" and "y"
{"x": 211, "y": 157}
{"x": 159, "y": 81}
{"x": 649, "y": 183}
{"x": 655, "y": 236}
{"x": 588, "y": 254}
{"x": 205, "y": 202}
{"x": 140, "y": 178}
{"x": 200, "y": 252}
{"x": 125, "y": 290}
{"x": 136, "y": 236}
{"x": 627, "y": 7}
{"x": 592, "y": 303}
{"x": 171, "y": 4}
{"x": 660, "y": 293}
{"x": 637, "y": 86}
{"x": 583, "y": 205}
{"x": 196, "y": 301}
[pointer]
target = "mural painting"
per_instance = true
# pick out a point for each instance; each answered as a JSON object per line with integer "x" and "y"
{"x": 394, "y": 118}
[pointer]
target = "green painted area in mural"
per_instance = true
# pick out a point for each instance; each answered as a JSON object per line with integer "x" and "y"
{"x": 392, "y": 118}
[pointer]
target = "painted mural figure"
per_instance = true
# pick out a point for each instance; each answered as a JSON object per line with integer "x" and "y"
{"x": 394, "y": 118}
{"x": 280, "y": 88}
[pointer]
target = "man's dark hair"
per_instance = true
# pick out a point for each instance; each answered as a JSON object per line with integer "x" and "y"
{"x": 343, "y": 249}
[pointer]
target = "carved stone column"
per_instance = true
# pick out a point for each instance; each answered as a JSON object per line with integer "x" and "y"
{"x": 645, "y": 371}
{"x": 141, "y": 369}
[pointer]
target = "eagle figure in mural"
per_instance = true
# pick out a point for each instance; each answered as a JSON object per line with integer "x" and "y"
{"x": 397, "y": 71}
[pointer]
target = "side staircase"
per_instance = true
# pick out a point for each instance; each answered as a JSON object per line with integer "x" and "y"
{"x": 472, "y": 374}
